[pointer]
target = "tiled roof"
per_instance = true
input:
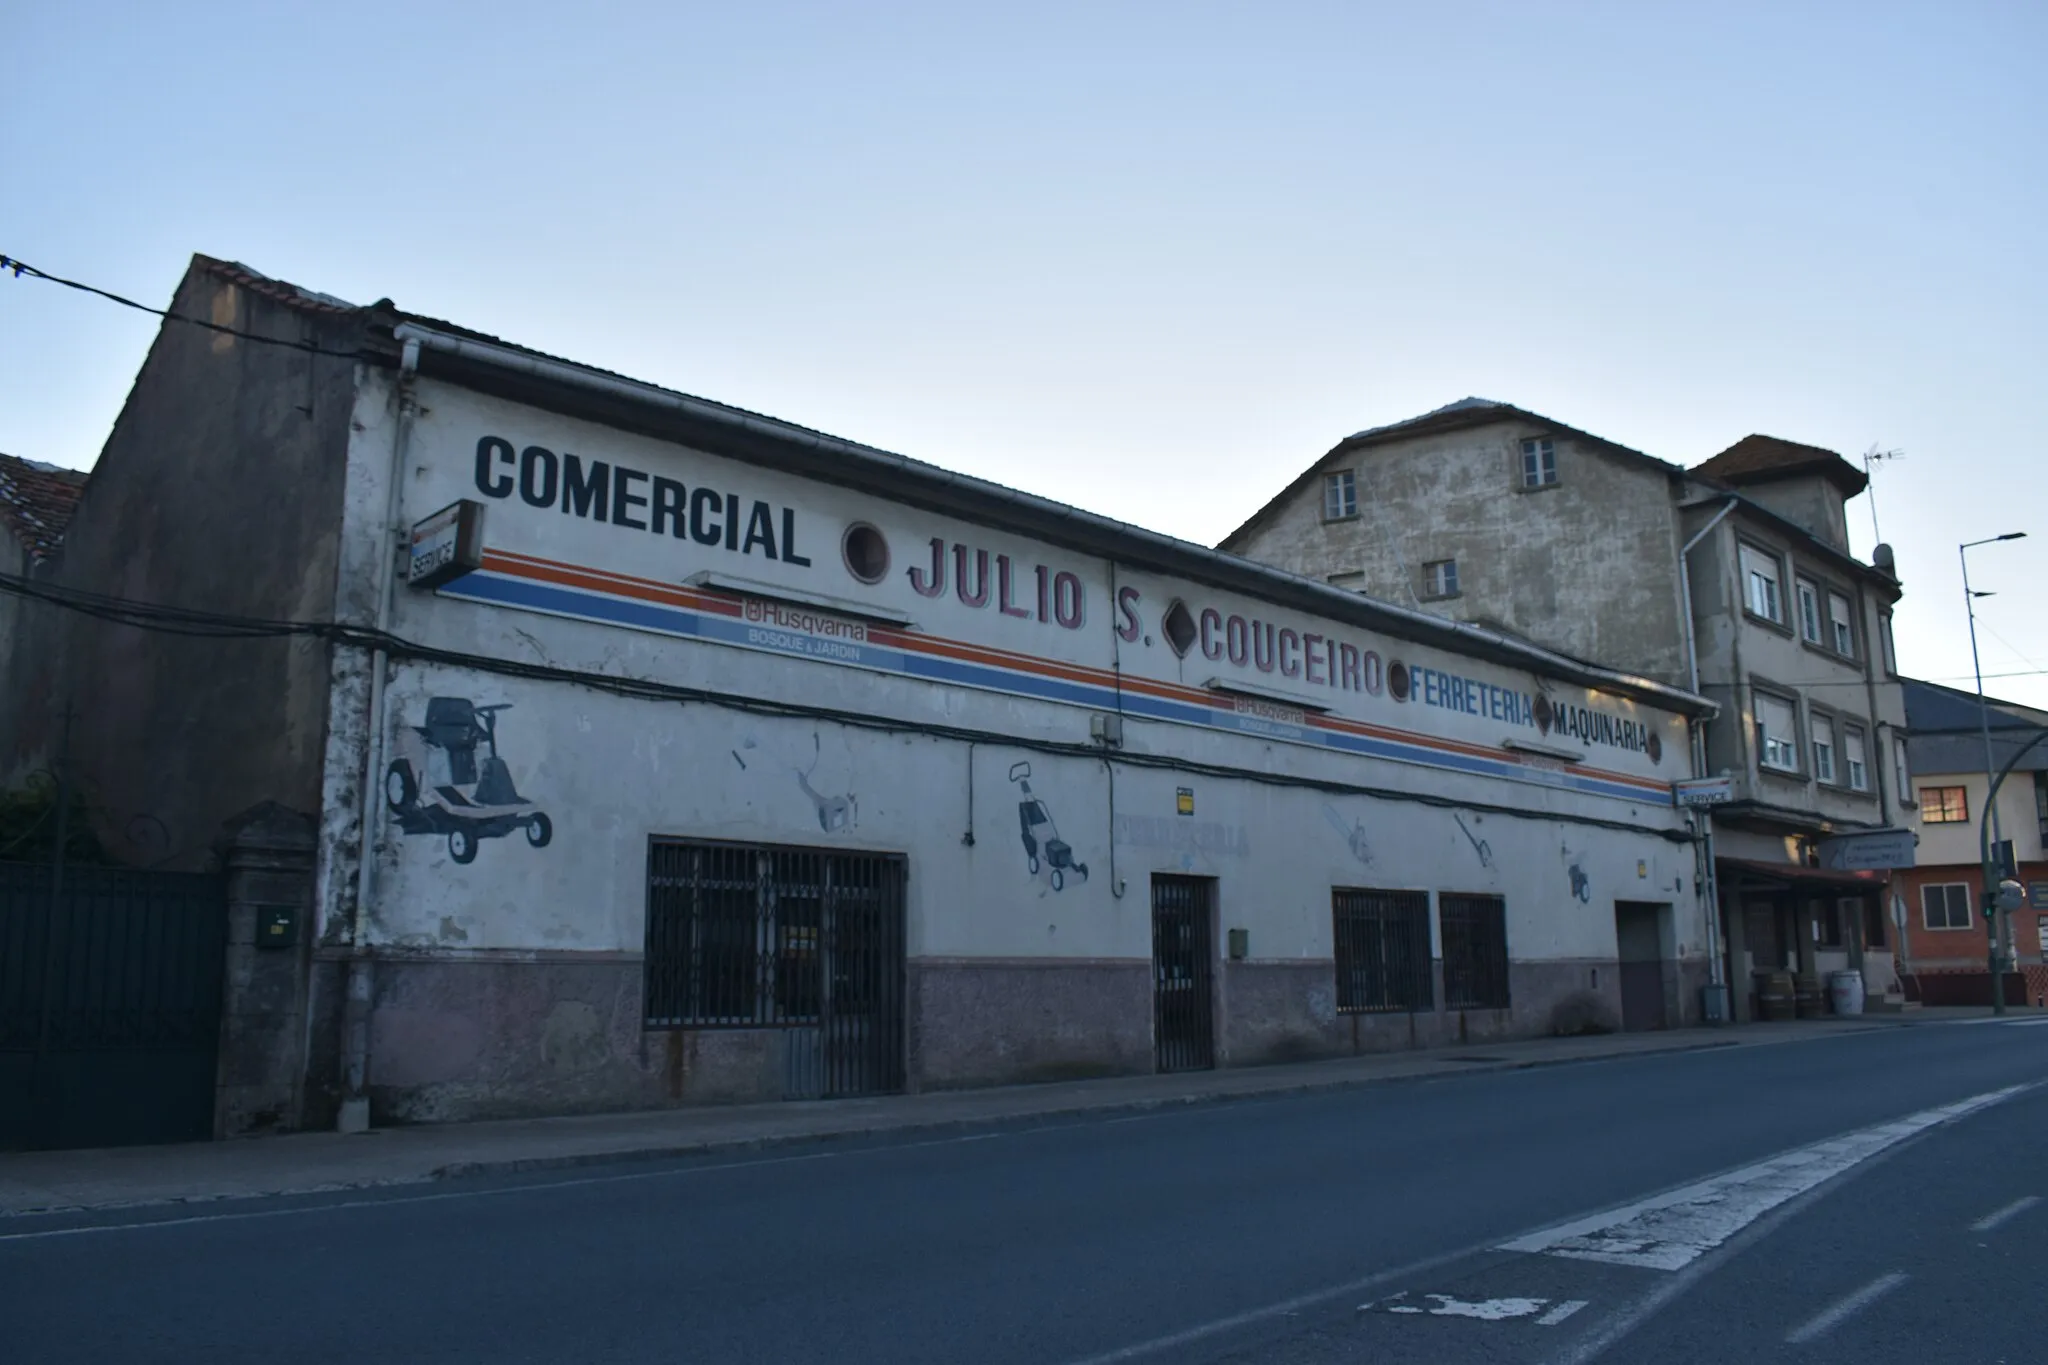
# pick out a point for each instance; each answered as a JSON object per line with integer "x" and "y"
{"x": 36, "y": 500}
{"x": 1761, "y": 459}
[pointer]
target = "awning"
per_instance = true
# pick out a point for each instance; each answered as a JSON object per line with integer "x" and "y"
{"x": 1792, "y": 874}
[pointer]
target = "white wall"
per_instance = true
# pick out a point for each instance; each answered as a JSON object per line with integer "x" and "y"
{"x": 612, "y": 771}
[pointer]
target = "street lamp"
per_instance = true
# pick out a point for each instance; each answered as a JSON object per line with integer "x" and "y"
{"x": 1991, "y": 921}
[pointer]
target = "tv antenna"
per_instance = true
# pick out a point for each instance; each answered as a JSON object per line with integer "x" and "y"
{"x": 1874, "y": 456}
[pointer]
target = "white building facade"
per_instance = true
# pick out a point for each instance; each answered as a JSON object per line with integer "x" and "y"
{"x": 748, "y": 763}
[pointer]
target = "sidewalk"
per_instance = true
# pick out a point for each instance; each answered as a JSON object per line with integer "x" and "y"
{"x": 32, "y": 1182}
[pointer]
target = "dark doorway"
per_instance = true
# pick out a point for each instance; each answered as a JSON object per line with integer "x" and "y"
{"x": 110, "y": 995}
{"x": 1183, "y": 1028}
{"x": 1639, "y": 936}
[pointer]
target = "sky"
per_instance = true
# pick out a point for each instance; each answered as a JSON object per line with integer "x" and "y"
{"x": 1152, "y": 260}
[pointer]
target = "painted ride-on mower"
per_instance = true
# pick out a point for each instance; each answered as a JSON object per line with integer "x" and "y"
{"x": 437, "y": 786}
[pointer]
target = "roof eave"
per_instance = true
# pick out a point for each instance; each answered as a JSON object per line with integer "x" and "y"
{"x": 561, "y": 385}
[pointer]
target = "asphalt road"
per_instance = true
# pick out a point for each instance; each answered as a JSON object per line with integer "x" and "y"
{"x": 1304, "y": 1229}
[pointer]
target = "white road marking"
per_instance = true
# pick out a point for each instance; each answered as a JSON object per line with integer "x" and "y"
{"x": 2027, "y": 1023}
{"x": 1561, "y": 1312}
{"x": 1671, "y": 1230}
{"x": 2012, "y": 1210}
{"x": 1828, "y": 1319}
{"x": 1486, "y": 1310}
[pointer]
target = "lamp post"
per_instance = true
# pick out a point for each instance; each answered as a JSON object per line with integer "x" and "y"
{"x": 1991, "y": 920}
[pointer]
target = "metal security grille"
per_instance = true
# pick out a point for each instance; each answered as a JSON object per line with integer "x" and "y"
{"x": 1475, "y": 930}
{"x": 1183, "y": 1032}
{"x": 806, "y": 940}
{"x": 1382, "y": 945}
{"x": 110, "y": 997}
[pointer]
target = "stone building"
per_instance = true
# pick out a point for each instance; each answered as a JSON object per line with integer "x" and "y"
{"x": 1733, "y": 577}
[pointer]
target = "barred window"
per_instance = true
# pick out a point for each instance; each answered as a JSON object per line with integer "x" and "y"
{"x": 736, "y": 934}
{"x": 1382, "y": 948}
{"x": 1475, "y": 930}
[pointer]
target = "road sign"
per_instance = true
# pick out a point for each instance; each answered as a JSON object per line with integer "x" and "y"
{"x": 1874, "y": 851}
{"x": 1703, "y": 791}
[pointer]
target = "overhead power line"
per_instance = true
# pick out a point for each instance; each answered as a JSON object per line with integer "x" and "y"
{"x": 20, "y": 268}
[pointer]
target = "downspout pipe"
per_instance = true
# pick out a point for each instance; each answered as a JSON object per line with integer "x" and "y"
{"x": 1698, "y": 728}
{"x": 354, "y": 1116}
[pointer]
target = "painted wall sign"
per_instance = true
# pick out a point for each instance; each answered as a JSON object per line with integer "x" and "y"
{"x": 1875, "y": 851}
{"x": 632, "y": 499}
{"x": 608, "y": 527}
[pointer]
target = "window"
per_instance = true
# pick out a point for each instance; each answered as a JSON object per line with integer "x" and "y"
{"x": 1854, "y": 760}
{"x": 1760, "y": 585}
{"x": 1340, "y": 495}
{"x": 1873, "y": 921}
{"x": 1902, "y": 772}
{"x": 1823, "y": 749}
{"x": 1842, "y": 624}
{"x": 1809, "y": 612}
{"x": 2041, "y": 801}
{"x": 1440, "y": 578}
{"x": 1884, "y": 635}
{"x": 1382, "y": 948}
{"x": 1829, "y": 924}
{"x": 1539, "y": 464}
{"x": 1945, "y": 906}
{"x": 1475, "y": 930}
{"x": 1944, "y": 805}
{"x": 1777, "y": 733}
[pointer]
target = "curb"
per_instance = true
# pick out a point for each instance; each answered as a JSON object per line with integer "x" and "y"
{"x": 929, "y": 1128}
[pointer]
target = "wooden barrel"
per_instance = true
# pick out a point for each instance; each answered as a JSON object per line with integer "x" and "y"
{"x": 1774, "y": 995}
{"x": 1810, "y": 997}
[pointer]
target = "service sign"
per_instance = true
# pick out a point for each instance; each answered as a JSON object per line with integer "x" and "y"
{"x": 446, "y": 545}
{"x": 1703, "y": 791}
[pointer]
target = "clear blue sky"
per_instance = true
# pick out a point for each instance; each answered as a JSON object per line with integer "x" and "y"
{"x": 1150, "y": 259}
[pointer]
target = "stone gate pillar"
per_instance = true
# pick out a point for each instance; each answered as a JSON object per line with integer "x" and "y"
{"x": 266, "y": 854}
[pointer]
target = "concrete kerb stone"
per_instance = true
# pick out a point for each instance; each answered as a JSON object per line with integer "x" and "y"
{"x": 916, "y": 1127}
{"x": 1011, "y": 1106}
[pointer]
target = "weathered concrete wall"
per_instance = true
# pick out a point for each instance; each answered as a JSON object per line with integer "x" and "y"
{"x": 1813, "y": 504}
{"x": 1587, "y": 565}
{"x": 218, "y": 489}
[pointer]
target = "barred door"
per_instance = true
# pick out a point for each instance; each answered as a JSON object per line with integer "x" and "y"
{"x": 807, "y": 941}
{"x": 1183, "y": 1029}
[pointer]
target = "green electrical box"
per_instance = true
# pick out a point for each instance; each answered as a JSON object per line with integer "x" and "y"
{"x": 277, "y": 926}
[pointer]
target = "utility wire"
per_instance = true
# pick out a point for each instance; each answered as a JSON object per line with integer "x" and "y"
{"x": 20, "y": 268}
{"x": 224, "y": 626}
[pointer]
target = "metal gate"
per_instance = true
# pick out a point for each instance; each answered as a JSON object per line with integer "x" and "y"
{"x": 110, "y": 999}
{"x": 807, "y": 941}
{"x": 1183, "y": 1031}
